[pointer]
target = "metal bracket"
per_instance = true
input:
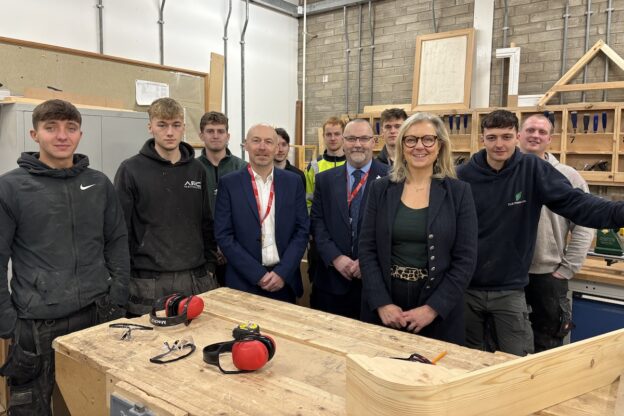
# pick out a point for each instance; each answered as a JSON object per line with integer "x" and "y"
{"x": 123, "y": 407}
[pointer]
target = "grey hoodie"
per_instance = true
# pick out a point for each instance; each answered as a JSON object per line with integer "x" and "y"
{"x": 553, "y": 251}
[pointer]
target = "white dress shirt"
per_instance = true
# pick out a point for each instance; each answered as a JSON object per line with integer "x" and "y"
{"x": 270, "y": 256}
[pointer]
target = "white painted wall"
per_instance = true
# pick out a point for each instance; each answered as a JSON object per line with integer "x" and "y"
{"x": 193, "y": 29}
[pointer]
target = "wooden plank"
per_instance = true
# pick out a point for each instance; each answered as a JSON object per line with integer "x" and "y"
{"x": 76, "y": 99}
{"x": 77, "y": 52}
{"x": 83, "y": 387}
{"x": 615, "y": 58}
{"x": 611, "y": 85}
{"x": 378, "y": 109}
{"x": 573, "y": 71}
{"x": 377, "y": 386}
{"x": 214, "y": 96}
{"x": 306, "y": 377}
{"x": 131, "y": 393}
{"x": 300, "y": 379}
{"x": 619, "y": 399}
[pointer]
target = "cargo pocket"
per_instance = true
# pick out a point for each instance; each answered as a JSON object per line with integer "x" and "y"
{"x": 565, "y": 318}
{"x": 21, "y": 364}
{"x": 142, "y": 295}
{"x": 23, "y": 400}
{"x": 204, "y": 283}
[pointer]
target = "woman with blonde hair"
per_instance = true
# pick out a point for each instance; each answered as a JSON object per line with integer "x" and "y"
{"x": 418, "y": 244}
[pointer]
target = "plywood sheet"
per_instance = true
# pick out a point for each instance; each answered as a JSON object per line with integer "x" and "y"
{"x": 25, "y": 67}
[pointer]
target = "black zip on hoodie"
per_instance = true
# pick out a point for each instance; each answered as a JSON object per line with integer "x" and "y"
{"x": 167, "y": 210}
{"x": 64, "y": 231}
{"x": 509, "y": 203}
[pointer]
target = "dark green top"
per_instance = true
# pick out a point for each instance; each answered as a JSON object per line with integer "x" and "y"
{"x": 229, "y": 163}
{"x": 409, "y": 237}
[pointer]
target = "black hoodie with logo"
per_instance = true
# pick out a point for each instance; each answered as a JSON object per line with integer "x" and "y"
{"x": 167, "y": 210}
{"x": 509, "y": 204}
{"x": 65, "y": 233}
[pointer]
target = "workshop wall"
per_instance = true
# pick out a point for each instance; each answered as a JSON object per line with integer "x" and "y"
{"x": 192, "y": 30}
{"x": 535, "y": 26}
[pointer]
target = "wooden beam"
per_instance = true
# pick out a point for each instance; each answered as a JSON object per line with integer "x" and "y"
{"x": 572, "y": 72}
{"x": 619, "y": 399}
{"x": 383, "y": 387}
{"x": 611, "y": 85}
{"x": 615, "y": 58}
{"x": 215, "y": 94}
{"x": 381, "y": 108}
{"x": 77, "y": 52}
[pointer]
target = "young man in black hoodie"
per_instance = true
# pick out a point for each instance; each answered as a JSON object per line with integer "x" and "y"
{"x": 166, "y": 203}
{"x": 509, "y": 189}
{"x": 63, "y": 229}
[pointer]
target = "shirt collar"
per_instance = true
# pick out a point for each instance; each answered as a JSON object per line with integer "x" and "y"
{"x": 258, "y": 177}
{"x": 364, "y": 169}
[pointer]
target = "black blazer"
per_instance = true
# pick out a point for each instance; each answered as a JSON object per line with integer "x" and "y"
{"x": 330, "y": 224}
{"x": 451, "y": 252}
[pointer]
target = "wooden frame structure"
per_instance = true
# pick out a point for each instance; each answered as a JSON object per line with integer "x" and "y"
{"x": 443, "y": 70}
{"x": 563, "y": 86}
{"x": 382, "y": 386}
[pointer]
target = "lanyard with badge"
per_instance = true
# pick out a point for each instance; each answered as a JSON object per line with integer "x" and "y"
{"x": 351, "y": 195}
{"x": 257, "y": 196}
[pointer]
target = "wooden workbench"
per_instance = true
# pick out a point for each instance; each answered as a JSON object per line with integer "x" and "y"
{"x": 307, "y": 375}
{"x": 596, "y": 270}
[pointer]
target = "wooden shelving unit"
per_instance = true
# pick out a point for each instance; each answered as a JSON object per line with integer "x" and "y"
{"x": 579, "y": 149}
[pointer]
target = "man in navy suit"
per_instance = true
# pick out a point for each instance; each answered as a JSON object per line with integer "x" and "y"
{"x": 337, "y": 209}
{"x": 261, "y": 222}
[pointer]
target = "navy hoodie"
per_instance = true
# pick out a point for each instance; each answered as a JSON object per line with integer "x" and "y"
{"x": 509, "y": 204}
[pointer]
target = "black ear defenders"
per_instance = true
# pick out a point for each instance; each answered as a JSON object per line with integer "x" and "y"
{"x": 178, "y": 309}
{"x": 250, "y": 350}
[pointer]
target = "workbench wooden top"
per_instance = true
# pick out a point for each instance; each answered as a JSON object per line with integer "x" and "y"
{"x": 306, "y": 376}
{"x": 596, "y": 270}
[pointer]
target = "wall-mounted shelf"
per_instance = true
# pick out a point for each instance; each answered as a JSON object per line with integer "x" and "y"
{"x": 601, "y": 147}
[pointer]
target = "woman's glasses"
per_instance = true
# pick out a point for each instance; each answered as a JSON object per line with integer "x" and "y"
{"x": 412, "y": 141}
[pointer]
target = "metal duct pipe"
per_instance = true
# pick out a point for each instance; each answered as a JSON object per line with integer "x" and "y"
{"x": 371, "y": 26}
{"x": 304, "y": 40}
{"x": 433, "y": 17}
{"x": 100, "y": 7}
{"x": 161, "y": 31}
{"x": 225, "y": 58}
{"x": 564, "y": 48}
{"x": 608, "y": 36}
{"x": 359, "y": 74}
{"x": 242, "y": 43}
{"x": 588, "y": 13}
{"x": 347, "y": 56}
{"x": 505, "y": 29}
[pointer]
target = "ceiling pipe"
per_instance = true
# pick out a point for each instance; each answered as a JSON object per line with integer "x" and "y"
{"x": 161, "y": 31}
{"x": 225, "y": 59}
{"x": 242, "y": 48}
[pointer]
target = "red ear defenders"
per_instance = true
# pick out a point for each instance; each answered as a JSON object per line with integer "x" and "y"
{"x": 250, "y": 350}
{"x": 178, "y": 309}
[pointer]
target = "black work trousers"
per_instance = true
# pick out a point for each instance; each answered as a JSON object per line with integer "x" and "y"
{"x": 31, "y": 392}
{"x": 551, "y": 315}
